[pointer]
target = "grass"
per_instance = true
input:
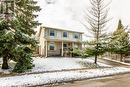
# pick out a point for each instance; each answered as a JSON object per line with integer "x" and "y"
{"x": 90, "y": 65}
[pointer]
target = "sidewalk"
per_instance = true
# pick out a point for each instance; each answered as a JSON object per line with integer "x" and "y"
{"x": 59, "y": 77}
{"x": 100, "y": 61}
{"x": 63, "y": 74}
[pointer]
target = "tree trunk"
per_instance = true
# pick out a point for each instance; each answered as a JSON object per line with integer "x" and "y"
{"x": 95, "y": 59}
{"x": 5, "y": 63}
{"x": 96, "y": 54}
{"x": 121, "y": 58}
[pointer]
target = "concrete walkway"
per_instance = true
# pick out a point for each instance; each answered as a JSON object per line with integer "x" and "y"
{"x": 113, "y": 81}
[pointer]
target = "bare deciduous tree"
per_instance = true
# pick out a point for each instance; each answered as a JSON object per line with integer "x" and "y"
{"x": 97, "y": 17}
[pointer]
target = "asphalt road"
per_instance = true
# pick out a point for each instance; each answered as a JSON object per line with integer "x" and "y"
{"x": 112, "y": 81}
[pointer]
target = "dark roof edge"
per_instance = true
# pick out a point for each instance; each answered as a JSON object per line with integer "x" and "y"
{"x": 62, "y": 29}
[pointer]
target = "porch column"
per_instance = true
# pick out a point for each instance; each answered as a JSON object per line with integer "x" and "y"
{"x": 62, "y": 49}
{"x": 80, "y": 44}
{"x": 73, "y": 45}
{"x": 46, "y": 49}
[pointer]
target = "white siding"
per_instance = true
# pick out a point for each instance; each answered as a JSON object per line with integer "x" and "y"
{"x": 59, "y": 36}
{"x": 42, "y": 42}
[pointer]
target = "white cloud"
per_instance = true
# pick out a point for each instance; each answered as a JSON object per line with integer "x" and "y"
{"x": 67, "y": 13}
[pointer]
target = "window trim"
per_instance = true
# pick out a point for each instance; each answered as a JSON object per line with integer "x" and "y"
{"x": 50, "y": 33}
{"x": 76, "y": 34}
{"x": 52, "y": 44}
{"x": 66, "y": 34}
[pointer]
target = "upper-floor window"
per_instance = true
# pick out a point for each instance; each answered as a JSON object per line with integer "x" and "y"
{"x": 65, "y": 34}
{"x": 52, "y": 33}
{"x": 76, "y": 35}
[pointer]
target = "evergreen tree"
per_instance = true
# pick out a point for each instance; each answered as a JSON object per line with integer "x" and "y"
{"x": 20, "y": 36}
{"x": 119, "y": 42}
{"x": 6, "y": 43}
{"x": 91, "y": 50}
{"x": 6, "y": 34}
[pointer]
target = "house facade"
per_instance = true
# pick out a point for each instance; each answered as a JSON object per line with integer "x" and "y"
{"x": 56, "y": 42}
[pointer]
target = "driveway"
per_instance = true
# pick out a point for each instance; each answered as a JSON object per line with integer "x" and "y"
{"x": 112, "y": 63}
{"x": 112, "y": 81}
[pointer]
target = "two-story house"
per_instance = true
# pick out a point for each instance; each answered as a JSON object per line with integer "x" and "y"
{"x": 56, "y": 41}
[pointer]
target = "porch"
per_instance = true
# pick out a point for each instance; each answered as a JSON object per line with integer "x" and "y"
{"x": 60, "y": 48}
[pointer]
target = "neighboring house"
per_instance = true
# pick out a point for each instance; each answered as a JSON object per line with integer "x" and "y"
{"x": 56, "y": 42}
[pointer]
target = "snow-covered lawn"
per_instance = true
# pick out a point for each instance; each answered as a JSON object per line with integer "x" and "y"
{"x": 47, "y": 78}
{"x": 57, "y": 64}
{"x": 60, "y": 64}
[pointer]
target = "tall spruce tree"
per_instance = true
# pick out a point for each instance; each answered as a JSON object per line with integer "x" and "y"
{"x": 20, "y": 30}
{"x": 119, "y": 42}
{"x": 6, "y": 34}
{"x": 6, "y": 43}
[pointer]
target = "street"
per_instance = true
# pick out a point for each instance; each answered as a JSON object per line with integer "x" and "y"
{"x": 112, "y": 81}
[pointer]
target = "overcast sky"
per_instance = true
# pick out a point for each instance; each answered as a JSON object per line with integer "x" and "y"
{"x": 68, "y": 13}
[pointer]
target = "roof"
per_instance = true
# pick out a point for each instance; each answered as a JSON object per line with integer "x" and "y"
{"x": 64, "y": 29}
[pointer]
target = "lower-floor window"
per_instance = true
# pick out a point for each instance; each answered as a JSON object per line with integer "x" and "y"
{"x": 65, "y": 45}
{"x": 52, "y": 46}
